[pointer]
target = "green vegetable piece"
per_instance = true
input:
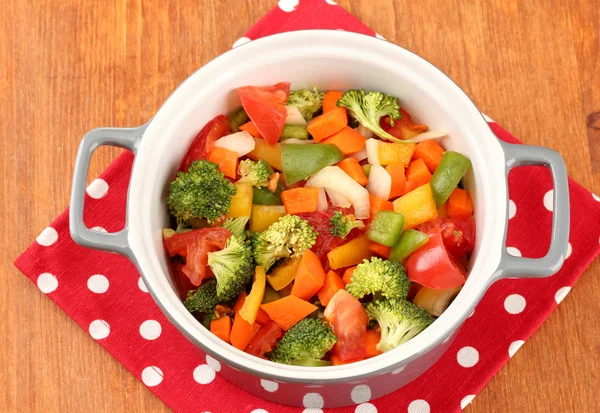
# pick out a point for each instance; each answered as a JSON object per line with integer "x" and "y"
{"x": 294, "y": 132}
{"x": 410, "y": 241}
{"x": 386, "y": 228}
{"x": 447, "y": 175}
{"x": 340, "y": 225}
{"x": 238, "y": 119}
{"x": 204, "y": 299}
{"x": 237, "y": 226}
{"x": 262, "y": 196}
{"x": 309, "y": 362}
{"x": 308, "y": 102}
{"x": 301, "y": 161}
{"x": 233, "y": 268}
{"x": 381, "y": 278}
{"x": 306, "y": 343}
{"x": 367, "y": 169}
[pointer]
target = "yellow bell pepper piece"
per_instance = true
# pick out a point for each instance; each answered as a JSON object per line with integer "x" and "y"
{"x": 264, "y": 215}
{"x": 241, "y": 202}
{"x": 396, "y": 153}
{"x": 254, "y": 299}
{"x": 284, "y": 274}
{"x": 417, "y": 206}
{"x": 271, "y": 154}
{"x": 351, "y": 253}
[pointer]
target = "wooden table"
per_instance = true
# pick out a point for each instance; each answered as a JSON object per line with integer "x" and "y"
{"x": 67, "y": 66}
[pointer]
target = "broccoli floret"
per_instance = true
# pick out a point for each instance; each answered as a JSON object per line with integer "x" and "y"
{"x": 233, "y": 267}
{"x": 204, "y": 299}
{"x": 369, "y": 108}
{"x": 340, "y": 225}
{"x": 382, "y": 278}
{"x": 308, "y": 102}
{"x": 304, "y": 344}
{"x": 201, "y": 192}
{"x": 289, "y": 236}
{"x": 399, "y": 320}
{"x": 256, "y": 173}
{"x": 237, "y": 226}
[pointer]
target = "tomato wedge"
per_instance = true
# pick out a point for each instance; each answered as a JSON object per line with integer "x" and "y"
{"x": 265, "y": 106}
{"x": 404, "y": 127}
{"x": 458, "y": 235}
{"x": 349, "y": 321}
{"x": 265, "y": 339}
{"x": 432, "y": 266}
{"x": 205, "y": 140}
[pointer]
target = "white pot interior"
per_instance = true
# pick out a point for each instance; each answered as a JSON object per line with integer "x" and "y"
{"x": 327, "y": 60}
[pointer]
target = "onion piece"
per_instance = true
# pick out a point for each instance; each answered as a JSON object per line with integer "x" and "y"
{"x": 240, "y": 142}
{"x": 298, "y": 141}
{"x": 359, "y": 155}
{"x": 337, "y": 199}
{"x": 333, "y": 177}
{"x": 294, "y": 117}
{"x": 364, "y": 132}
{"x": 322, "y": 204}
{"x": 380, "y": 182}
{"x": 432, "y": 134}
{"x": 372, "y": 148}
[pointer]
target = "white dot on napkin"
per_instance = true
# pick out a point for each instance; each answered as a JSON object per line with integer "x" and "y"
{"x": 150, "y": 329}
{"x": 419, "y": 406}
{"x": 259, "y": 411}
{"x": 152, "y": 376}
{"x": 216, "y": 366}
{"x": 512, "y": 209}
{"x": 548, "y": 200}
{"x": 467, "y": 357}
{"x": 569, "y": 250}
{"x": 515, "y": 304}
{"x": 204, "y": 374}
{"x": 288, "y": 5}
{"x": 313, "y": 400}
{"x": 99, "y": 329}
{"x": 596, "y": 197}
{"x": 98, "y": 283}
{"x": 561, "y": 294}
{"x": 47, "y": 282}
{"x": 514, "y": 251}
{"x": 269, "y": 385}
{"x": 365, "y": 408}
{"x": 142, "y": 285}
{"x": 241, "y": 41}
{"x": 466, "y": 401}
{"x": 514, "y": 347}
{"x": 99, "y": 229}
{"x": 97, "y": 189}
{"x": 361, "y": 394}
{"x": 47, "y": 237}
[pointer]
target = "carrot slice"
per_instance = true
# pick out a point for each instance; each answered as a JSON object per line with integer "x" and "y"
{"x": 221, "y": 327}
{"x": 352, "y": 167}
{"x": 409, "y": 186}
{"x": 372, "y": 338}
{"x": 309, "y": 277}
{"x": 333, "y": 283}
{"x": 299, "y": 200}
{"x": 380, "y": 250}
{"x": 347, "y": 278}
{"x": 327, "y": 124}
{"x": 418, "y": 172}
{"x": 460, "y": 204}
{"x": 226, "y": 159}
{"x": 288, "y": 311}
{"x": 250, "y": 127}
{"x": 348, "y": 140}
{"x": 379, "y": 204}
{"x": 431, "y": 152}
{"x": 336, "y": 361}
{"x": 242, "y": 332}
{"x": 396, "y": 171}
{"x": 239, "y": 302}
{"x": 330, "y": 100}
{"x": 262, "y": 317}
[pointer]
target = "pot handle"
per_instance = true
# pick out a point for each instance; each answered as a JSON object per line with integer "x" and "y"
{"x": 127, "y": 138}
{"x": 517, "y": 267}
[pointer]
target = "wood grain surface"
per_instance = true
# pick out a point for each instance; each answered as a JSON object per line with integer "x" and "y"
{"x": 67, "y": 66}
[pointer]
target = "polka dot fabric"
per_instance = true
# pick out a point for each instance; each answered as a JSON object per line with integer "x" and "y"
{"x": 105, "y": 295}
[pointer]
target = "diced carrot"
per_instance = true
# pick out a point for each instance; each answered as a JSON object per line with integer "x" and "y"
{"x": 353, "y": 168}
{"x": 250, "y": 127}
{"x": 347, "y": 278}
{"x": 299, "y": 200}
{"x": 409, "y": 186}
{"x": 239, "y": 302}
{"x": 395, "y": 152}
{"x": 309, "y": 277}
{"x": 460, "y": 204}
{"x": 378, "y": 204}
{"x": 288, "y": 311}
{"x": 443, "y": 210}
{"x": 262, "y": 317}
{"x": 373, "y": 337}
{"x": 273, "y": 181}
{"x": 330, "y": 100}
{"x": 226, "y": 159}
{"x": 327, "y": 124}
{"x": 396, "y": 171}
{"x": 348, "y": 140}
{"x": 242, "y": 332}
{"x": 336, "y": 361}
{"x": 333, "y": 283}
{"x": 380, "y": 250}
{"x": 418, "y": 172}
{"x": 431, "y": 152}
{"x": 221, "y": 327}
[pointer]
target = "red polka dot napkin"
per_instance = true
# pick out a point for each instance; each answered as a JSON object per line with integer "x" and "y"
{"x": 104, "y": 294}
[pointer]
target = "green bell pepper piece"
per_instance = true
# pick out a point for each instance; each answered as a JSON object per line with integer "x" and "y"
{"x": 386, "y": 228}
{"x": 301, "y": 161}
{"x": 367, "y": 169}
{"x": 410, "y": 241}
{"x": 262, "y": 196}
{"x": 309, "y": 362}
{"x": 238, "y": 119}
{"x": 294, "y": 132}
{"x": 447, "y": 175}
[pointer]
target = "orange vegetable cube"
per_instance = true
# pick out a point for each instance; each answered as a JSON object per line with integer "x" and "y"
{"x": 299, "y": 200}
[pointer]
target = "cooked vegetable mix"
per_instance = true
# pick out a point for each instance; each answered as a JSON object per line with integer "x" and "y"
{"x": 301, "y": 222}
